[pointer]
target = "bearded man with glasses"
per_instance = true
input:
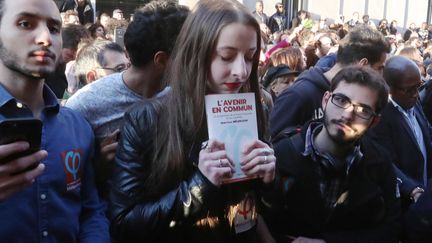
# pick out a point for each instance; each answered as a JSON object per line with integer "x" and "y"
{"x": 335, "y": 184}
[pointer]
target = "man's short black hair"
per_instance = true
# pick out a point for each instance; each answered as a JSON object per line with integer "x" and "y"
{"x": 73, "y": 34}
{"x": 154, "y": 28}
{"x": 362, "y": 42}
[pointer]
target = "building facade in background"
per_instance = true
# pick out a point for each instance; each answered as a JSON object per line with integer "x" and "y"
{"x": 404, "y": 11}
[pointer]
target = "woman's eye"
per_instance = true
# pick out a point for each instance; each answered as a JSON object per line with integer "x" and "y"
{"x": 249, "y": 58}
{"x": 24, "y": 24}
{"x": 226, "y": 58}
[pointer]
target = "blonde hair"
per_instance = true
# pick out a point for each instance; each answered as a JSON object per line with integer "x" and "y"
{"x": 290, "y": 56}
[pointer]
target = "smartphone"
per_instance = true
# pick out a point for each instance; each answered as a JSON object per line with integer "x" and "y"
{"x": 21, "y": 129}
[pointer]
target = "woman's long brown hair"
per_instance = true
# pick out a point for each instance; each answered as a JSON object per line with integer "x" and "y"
{"x": 182, "y": 118}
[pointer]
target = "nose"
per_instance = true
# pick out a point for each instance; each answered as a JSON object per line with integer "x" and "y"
{"x": 43, "y": 36}
{"x": 239, "y": 69}
{"x": 349, "y": 113}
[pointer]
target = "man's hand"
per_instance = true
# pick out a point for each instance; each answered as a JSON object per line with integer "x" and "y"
{"x": 108, "y": 147}
{"x": 13, "y": 174}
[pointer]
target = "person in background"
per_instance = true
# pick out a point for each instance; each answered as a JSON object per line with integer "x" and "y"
{"x": 70, "y": 17}
{"x": 82, "y": 7}
{"x": 404, "y": 130}
{"x": 278, "y": 79}
{"x": 149, "y": 41}
{"x": 117, "y": 14}
{"x": 297, "y": 20}
{"x": 278, "y": 22}
{"x": 259, "y": 14}
{"x": 72, "y": 35}
{"x": 423, "y": 32}
{"x": 48, "y": 195}
{"x": 410, "y": 32}
{"x": 94, "y": 61}
{"x": 368, "y": 22}
{"x": 111, "y": 27}
{"x": 383, "y": 27}
{"x": 414, "y": 54}
{"x": 323, "y": 45}
{"x": 104, "y": 19}
{"x": 97, "y": 31}
{"x": 355, "y": 20}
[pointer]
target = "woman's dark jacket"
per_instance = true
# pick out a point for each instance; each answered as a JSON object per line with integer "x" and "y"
{"x": 137, "y": 216}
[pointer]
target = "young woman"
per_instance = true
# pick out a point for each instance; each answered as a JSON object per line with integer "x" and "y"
{"x": 97, "y": 31}
{"x": 166, "y": 185}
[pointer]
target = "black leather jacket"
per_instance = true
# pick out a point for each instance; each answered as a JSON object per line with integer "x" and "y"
{"x": 137, "y": 216}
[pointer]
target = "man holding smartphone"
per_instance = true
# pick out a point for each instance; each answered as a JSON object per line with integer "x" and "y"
{"x": 48, "y": 195}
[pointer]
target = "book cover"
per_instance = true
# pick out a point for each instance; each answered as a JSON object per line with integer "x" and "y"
{"x": 231, "y": 119}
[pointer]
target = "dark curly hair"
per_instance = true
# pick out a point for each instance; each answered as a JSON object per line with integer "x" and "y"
{"x": 154, "y": 28}
{"x": 362, "y": 42}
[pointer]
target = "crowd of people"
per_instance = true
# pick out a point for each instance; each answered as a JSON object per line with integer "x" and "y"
{"x": 344, "y": 146}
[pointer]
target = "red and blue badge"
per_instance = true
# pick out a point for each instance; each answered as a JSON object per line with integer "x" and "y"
{"x": 72, "y": 167}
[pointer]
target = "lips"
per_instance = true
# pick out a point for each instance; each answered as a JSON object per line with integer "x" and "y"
{"x": 233, "y": 86}
{"x": 42, "y": 56}
{"x": 343, "y": 126}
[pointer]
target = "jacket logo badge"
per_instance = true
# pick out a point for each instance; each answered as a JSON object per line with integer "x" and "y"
{"x": 72, "y": 167}
{"x": 246, "y": 215}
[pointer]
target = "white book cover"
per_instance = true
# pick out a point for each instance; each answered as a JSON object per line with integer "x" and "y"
{"x": 231, "y": 119}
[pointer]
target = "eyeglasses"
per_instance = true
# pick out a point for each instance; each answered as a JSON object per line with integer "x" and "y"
{"x": 410, "y": 90}
{"x": 362, "y": 111}
{"x": 119, "y": 68}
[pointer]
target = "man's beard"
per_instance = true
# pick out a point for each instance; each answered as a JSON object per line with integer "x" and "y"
{"x": 10, "y": 60}
{"x": 340, "y": 137}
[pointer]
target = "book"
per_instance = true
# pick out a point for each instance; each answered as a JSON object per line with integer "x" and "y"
{"x": 231, "y": 119}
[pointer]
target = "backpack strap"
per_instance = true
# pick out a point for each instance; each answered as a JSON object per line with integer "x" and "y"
{"x": 297, "y": 142}
{"x": 289, "y": 148}
{"x": 287, "y": 132}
